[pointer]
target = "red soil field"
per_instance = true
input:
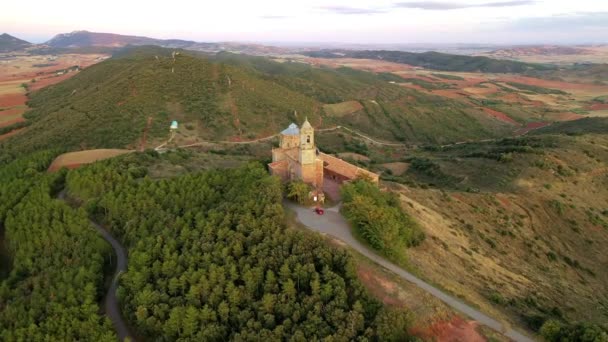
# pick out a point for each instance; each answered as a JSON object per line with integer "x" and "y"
{"x": 456, "y": 329}
{"x": 500, "y": 116}
{"x": 598, "y": 106}
{"x": 11, "y": 100}
{"x": 530, "y": 127}
{"x": 10, "y": 122}
{"x": 12, "y": 111}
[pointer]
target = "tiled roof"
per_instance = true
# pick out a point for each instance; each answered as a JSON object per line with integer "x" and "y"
{"x": 341, "y": 167}
{"x": 278, "y": 164}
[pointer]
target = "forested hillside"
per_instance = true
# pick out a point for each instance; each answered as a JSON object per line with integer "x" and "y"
{"x": 211, "y": 259}
{"x": 241, "y": 97}
{"x": 437, "y": 61}
{"x": 55, "y": 277}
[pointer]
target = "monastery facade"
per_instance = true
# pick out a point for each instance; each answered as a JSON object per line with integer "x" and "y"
{"x": 297, "y": 157}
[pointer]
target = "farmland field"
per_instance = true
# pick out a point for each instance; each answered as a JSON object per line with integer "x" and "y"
{"x": 24, "y": 73}
{"x": 75, "y": 159}
{"x": 514, "y": 99}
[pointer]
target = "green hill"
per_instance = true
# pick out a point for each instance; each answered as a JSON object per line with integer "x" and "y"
{"x": 231, "y": 96}
{"x": 437, "y": 60}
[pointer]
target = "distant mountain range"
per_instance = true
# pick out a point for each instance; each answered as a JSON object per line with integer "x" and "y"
{"x": 85, "y": 40}
{"x": 9, "y": 43}
{"x": 78, "y": 39}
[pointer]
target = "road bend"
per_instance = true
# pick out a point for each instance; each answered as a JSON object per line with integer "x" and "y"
{"x": 112, "y": 308}
{"x": 334, "y": 224}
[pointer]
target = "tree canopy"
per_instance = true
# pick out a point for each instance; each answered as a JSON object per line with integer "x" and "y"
{"x": 210, "y": 258}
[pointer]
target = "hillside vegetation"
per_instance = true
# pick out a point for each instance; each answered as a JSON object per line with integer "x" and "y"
{"x": 378, "y": 219}
{"x": 437, "y": 60}
{"x": 517, "y": 226}
{"x": 55, "y": 275}
{"x": 211, "y": 259}
{"x": 231, "y": 97}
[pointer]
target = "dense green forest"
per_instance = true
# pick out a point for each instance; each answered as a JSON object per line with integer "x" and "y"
{"x": 438, "y": 61}
{"x": 107, "y": 104}
{"x": 377, "y": 218}
{"x": 211, "y": 259}
{"x": 57, "y": 260}
{"x": 593, "y": 125}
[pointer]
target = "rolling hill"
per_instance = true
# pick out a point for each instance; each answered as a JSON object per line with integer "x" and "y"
{"x": 232, "y": 97}
{"x": 9, "y": 43}
{"x": 518, "y": 225}
{"x": 436, "y": 60}
{"x": 86, "y": 40}
{"x": 78, "y": 39}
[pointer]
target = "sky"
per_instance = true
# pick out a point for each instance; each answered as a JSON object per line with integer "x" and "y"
{"x": 329, "y": 21}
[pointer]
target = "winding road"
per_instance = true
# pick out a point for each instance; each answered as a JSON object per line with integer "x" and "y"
{"x": 332, "y": 223}
{"x": 111, "y": 302}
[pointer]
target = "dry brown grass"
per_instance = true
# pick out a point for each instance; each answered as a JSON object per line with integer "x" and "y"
{"x": 353, "y": 156}
{"x": 75, "y": 159}
{"x": 343, "y": 108}
{"x": 500, "y": 242}
{"x": 397, "y": 168}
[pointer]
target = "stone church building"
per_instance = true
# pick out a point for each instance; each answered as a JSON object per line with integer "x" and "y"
{"x": 297, "y": 157}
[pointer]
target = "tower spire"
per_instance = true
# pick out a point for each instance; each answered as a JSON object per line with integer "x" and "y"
{"x": 306, "y": 124}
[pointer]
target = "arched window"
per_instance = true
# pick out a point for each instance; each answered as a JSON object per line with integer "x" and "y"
{"x": 308, "y": 139}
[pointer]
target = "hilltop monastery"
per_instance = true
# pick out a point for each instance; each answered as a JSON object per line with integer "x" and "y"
{"x": 297, "y": 157}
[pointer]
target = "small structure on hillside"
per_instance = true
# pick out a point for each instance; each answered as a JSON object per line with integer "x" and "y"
{"x": 297, "y": 157}
{"x": 173, "y": 125}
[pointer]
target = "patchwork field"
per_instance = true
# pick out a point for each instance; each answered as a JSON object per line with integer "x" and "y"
{"x": 553, "y": 54}
{"x": 20, "y": 74}
{"x": 514, "y": 99}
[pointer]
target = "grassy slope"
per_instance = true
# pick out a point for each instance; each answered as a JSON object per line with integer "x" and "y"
{"x": 106, "y": 105}
{"x": 526, "y": 239}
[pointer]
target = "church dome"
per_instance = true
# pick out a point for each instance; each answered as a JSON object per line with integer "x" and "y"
{"x": 291, "y": 130}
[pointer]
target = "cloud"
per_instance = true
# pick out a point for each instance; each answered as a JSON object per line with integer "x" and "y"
{"x": 563, "y": 22}
{"x": 275, "y": 17}
{"x": 442, "y": 5}
{"x": 351, "y": 10}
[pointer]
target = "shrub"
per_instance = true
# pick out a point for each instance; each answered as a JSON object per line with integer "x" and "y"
{"x": 555, "y": 331}
{"x": 298, "y": 191}
{"x": 377, "y": 217}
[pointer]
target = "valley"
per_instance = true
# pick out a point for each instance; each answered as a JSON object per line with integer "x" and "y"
{"x": 498, "y": 167}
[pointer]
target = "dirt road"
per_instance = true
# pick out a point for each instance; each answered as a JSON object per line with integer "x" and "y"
{"x": 332, "y": 223}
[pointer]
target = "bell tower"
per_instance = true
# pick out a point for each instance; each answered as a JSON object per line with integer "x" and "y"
{"x": 307, "y": 144}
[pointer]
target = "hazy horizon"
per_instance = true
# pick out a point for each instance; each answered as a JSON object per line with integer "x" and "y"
{"x": 485, "y": 22}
